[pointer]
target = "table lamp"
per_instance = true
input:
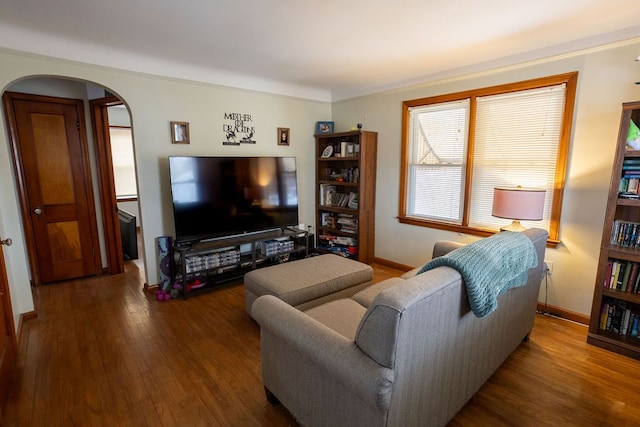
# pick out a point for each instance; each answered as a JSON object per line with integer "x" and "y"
{"x": 518, "y": 204}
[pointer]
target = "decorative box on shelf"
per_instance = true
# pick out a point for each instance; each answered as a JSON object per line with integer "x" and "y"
{"x": 211, "y": 260}
{"x": 275, "y": 247}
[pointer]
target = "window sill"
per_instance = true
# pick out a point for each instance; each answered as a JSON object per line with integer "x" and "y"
{"x": 126, "y": 199}
{"x": 551, "y": 243}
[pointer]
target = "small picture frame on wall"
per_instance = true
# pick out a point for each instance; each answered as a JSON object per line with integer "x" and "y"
{"x": 324, "y": 127}
{"x": 179, "y": 132}
{"x": 283, "y": 136}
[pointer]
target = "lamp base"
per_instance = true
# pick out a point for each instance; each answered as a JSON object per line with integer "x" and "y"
{"x": 514, "y": 226}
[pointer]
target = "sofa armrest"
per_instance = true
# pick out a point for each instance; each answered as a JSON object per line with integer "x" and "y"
{"x": 441, "y": 247}
{"x": 333, "y": 353}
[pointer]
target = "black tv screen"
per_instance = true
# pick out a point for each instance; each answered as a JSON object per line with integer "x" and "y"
{"x": 223, "y": 196}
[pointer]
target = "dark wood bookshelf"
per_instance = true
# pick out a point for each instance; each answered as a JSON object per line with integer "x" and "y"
{"x": 618, "y": 250}
{"x": 361, "y": 162}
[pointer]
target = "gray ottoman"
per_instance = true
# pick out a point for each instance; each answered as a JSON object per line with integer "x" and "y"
{"x": 308, "y": 282}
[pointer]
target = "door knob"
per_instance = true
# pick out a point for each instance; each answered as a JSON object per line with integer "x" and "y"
{"x": 6, "y": 242}
{"x": 37, "y": 211}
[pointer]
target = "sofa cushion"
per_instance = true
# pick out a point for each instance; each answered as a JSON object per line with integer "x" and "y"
{"x": 365, "y": 297}
{"x": 307, "y": 279}
{"x": 343, "y": 316}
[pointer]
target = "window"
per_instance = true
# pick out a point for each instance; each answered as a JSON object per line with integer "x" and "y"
{"x": 457, "y": 148}
{"x": 124, "y": 170}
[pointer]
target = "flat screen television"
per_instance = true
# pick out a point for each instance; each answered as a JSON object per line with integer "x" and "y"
{"x": 216, "y": 197}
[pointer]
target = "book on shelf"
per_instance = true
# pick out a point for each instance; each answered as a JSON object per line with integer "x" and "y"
{"x": 629, "y": 185}
{"x": 615, "y": 271}
{"x": 607, "y": 275}
{"x": 620, "y": 317}
{"x": 617, "y": 316}
{"x": 610, "y": 310}
{"x": 625, "y": 321}
{"x": 347, "y": 241}
{"x": 351, "y": 149}
{"x": 330, "y": 196}
{"x": 353, "y": 200}
{"x": 630, "y": 164}
{"x": 328, "y": 220}
{"x": 348, "y": 223}
{"x": 326, "y": 192}
{"x": 632, "y": 277}
{"x": 623, "y": 276}
{"x": 636, "y": 284}
{"x": 620, "y": 276}
{"x": 635, "y": 324}
{"x": 625, "y": 234}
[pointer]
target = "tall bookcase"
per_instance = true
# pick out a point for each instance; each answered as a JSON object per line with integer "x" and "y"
{"x": 346, "y": 193}
{"x": 615, "y": 313}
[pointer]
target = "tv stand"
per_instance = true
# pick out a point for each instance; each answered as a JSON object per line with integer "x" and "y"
{"x": 205, "y": 265}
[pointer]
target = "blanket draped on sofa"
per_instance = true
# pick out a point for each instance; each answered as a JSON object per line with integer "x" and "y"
{"x": 489, "y": 267}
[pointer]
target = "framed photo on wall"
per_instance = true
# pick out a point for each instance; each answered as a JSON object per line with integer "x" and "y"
{"x": 283, "y": 136}
{"x": 179, "y": 132}
{"x": 324, "y": 127}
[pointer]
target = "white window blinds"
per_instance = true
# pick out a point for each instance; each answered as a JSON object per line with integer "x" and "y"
{"x": 436, "y": 169}
{"x": 517, "y": 136}
{"x": 124, "y": 171}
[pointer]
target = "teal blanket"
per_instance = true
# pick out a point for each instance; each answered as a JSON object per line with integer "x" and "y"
{"x": 489, "y": 267}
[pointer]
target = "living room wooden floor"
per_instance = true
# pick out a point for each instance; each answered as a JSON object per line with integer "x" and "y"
{"x": 102, "y": 352}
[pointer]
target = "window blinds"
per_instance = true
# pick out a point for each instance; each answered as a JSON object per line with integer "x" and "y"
{"x": 436, "y": 171}
{"x": 517, "y": 136}
{"x": 124, "y": 171}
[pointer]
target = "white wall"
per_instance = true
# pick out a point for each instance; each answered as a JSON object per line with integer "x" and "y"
{"x": 606, "y": 80}
{"x": 153, "y": 103}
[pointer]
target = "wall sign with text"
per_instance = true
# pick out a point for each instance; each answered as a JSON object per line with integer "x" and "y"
{"x": 238, "y": 129}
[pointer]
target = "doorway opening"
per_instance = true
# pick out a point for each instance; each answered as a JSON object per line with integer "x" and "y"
{"x": 99, "y": 111}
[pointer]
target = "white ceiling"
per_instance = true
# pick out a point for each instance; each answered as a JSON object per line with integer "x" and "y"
{"x": 325, "y": 50}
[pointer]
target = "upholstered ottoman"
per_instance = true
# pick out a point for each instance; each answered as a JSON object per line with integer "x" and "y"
{"x": 308, "y": 282}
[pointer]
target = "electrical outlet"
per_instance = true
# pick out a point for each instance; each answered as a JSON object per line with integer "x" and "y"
{"x": 548, "y": 266}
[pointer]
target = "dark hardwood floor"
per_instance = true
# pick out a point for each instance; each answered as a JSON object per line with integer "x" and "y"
{"x": 102, "y": 352}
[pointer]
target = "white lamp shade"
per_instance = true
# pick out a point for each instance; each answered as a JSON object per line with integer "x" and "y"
{"x": 518, "y": 203}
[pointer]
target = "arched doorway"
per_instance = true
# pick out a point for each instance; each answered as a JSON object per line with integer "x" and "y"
{"x": 96, "y": 100}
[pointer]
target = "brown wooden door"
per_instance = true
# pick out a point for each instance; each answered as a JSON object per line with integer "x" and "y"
{"x": 8, "y": 341}
{"x": 110, "y": 220}
{"x": 55, "y": 185}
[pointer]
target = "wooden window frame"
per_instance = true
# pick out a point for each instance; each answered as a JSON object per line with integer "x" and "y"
{"x": 569, "y": 79}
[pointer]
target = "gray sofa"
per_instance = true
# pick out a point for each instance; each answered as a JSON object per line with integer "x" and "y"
{"x": 404, "y": 352}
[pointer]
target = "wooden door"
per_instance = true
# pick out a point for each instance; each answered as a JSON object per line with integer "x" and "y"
{"x": 50, "y": 153}
{"x": 8, "y": 341}
{"x": 110, "y": 221}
